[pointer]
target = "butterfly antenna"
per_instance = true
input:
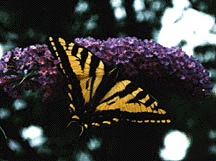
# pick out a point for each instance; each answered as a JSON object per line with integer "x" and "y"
{"x": 153, "y": 97}
{"x": 69, "y": 124}
{"x": 27, "y": 75}
{"x": 82, "y": 130}
{"x": 112, "y": 70}
{"x": 3, "y": 132}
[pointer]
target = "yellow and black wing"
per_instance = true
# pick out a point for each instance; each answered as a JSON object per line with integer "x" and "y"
{"x": 97, "y": 94}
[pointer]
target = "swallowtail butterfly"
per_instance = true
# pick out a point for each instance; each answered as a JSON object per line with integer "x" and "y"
{"x": 97, "y": 93}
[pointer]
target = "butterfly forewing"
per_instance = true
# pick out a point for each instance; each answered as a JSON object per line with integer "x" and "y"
{"x": 75, "y": 62}
{"x": 100, "y": 91}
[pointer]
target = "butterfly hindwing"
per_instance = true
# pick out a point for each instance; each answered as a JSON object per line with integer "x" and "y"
{"x": 133, "y": 103}
{"x": 99, "y": 92}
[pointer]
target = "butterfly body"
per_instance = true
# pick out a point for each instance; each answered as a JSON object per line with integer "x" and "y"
{"x": 97, "y": 92}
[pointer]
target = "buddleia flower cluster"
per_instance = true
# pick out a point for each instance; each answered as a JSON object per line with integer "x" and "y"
{"x": 154, "y": 62}
{"x": 32, "y": 68}
{"x": 156, "y": 66}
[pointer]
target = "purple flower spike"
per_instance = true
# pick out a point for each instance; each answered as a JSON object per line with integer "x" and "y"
{"x": 34, "y": 62}
{"x": 145, "y": 60}
{"x": 149, "y": 59}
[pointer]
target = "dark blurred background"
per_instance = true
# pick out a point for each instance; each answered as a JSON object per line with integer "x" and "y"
{"x": 36, "y": 130}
